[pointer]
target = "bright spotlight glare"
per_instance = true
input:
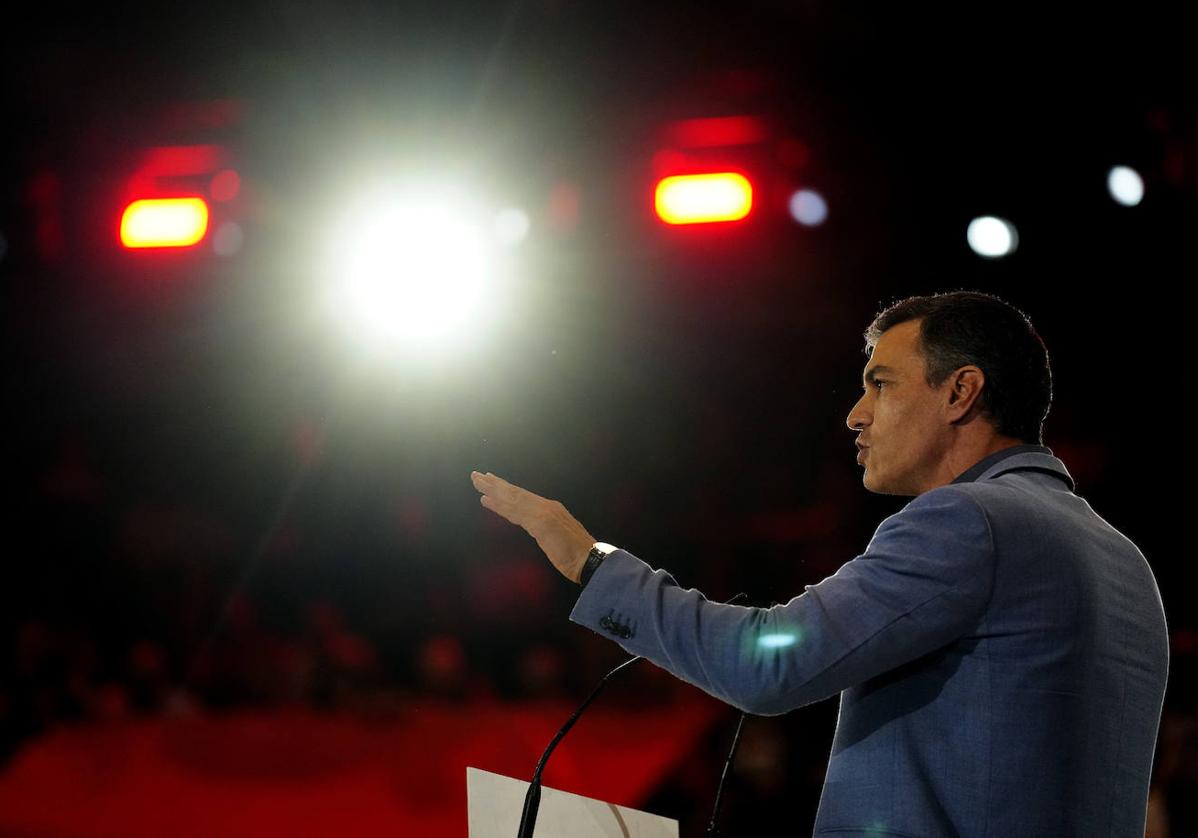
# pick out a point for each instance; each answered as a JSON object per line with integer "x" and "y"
{"x": 511, "y": 225}
{"x": 808, "y": 207}
{"x": 412, "y": 270}
{"x": 1126, "y": 185}
{"x": 992, "y": 237}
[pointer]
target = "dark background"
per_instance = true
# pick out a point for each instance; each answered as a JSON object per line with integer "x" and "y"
{"x": 199, "y": 473}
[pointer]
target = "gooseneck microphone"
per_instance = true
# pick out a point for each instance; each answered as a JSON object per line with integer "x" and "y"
{"x": 712, "y": 831}
{"x": 532, "y": 798}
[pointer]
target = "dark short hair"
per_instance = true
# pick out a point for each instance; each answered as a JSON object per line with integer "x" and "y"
{"x": 968, "y": 327}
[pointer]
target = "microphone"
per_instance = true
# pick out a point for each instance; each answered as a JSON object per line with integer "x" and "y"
{"x": 712, "y": 831}
{"x": 532, "y": 798}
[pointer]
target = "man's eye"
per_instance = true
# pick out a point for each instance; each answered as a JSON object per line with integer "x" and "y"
{"x": 877, "y": 382}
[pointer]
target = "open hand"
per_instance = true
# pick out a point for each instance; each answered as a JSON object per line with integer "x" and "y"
{"x": 565, "y": 541}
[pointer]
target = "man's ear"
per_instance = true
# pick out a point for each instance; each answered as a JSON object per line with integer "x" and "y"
{"x": 965, "y": 387}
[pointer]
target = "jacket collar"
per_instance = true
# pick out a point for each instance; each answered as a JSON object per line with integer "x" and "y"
{"x": 1017, "y": 458}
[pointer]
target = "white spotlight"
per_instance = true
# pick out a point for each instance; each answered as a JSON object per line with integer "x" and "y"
{"x": 412, "y": 267}
{"x": 808, "y": 207}
{"x": 1126, "y": 185}
{"x": 511, "y": 225}
{"x": 992, "y": 237}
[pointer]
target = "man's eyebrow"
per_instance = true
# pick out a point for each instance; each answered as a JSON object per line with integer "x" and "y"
{"x": 873, "y": 371}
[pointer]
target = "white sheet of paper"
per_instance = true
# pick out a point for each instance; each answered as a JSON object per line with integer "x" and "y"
{"x": 496, "y": 801}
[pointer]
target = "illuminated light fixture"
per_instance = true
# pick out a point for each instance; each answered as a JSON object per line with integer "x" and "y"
{"x": 702, "y": 199}
{"x": 164, "y": 222}
{"x": 808, "y": 208}
{"x": 992, "y": 237}
{"x": 1125, "y": 185}
{"x": 414, "y": 265}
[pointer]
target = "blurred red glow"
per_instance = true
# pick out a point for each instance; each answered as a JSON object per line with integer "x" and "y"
{"x": 297, "y": 772}
{"x": 718, "y": 131}
{"x": 45, "y": 196}
{"x": 225, "y": 185}
{"x": 181, "y": 160}
{"x": 168, "y": 171}
{"x": 793, "y": 154}
{"x": 565, "y": 201}
{"x": 667, "y": 161}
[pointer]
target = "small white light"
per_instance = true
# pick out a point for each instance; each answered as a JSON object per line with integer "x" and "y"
{"x": 808, "y": 207}
{"x": 511, "y": 225}
{"x": 1126, "y": 185}
{"x": 992, "y": 237}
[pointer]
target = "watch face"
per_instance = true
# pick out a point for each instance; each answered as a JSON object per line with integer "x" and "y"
{"x": 603, "y": 547}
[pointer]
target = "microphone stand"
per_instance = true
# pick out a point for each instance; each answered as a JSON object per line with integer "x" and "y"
{"x": 532, "y": 797}
{"x": 712, "y": 831}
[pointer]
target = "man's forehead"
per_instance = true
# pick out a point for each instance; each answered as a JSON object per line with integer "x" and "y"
{"x": 895, "y": 350}
{"x": 879, "y": 369}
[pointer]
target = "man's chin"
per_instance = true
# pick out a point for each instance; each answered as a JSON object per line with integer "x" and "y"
{"x": 872, "y": 484}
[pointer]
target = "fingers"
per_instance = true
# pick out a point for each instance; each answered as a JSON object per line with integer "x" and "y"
{"x": 490, "y": 485}
{"x": 505, "y": 499}
{"x": 498, "y": 488}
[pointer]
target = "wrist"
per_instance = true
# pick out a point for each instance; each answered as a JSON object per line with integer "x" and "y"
{"x": 594, "y": 558}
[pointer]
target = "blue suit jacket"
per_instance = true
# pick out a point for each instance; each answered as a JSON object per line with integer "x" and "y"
{"x": 999, "y": 649}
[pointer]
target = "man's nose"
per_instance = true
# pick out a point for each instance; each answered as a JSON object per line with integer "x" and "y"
{"x": 858, "y": 417}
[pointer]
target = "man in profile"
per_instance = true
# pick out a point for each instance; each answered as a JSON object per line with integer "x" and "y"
{"x": 999, "y": 649}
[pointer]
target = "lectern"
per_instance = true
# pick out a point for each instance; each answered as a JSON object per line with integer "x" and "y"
{"x": 495, "y": 803}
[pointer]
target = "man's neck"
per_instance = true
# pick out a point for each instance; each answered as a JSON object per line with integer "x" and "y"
{"x": 962, "y": 459}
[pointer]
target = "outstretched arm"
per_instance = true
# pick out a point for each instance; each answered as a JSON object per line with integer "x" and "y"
{"x": 923, "y": 582}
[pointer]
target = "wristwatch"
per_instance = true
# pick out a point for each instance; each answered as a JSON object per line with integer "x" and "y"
{"x": 595, "y": 557}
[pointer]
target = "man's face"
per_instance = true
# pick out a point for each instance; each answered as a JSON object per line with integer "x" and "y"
{"x": 900, "y": 418}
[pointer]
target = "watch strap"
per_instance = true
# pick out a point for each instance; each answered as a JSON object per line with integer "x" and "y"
{"x": 595, "y": 558}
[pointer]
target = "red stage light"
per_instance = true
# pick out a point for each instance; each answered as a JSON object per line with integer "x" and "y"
{"x": 164, "y": 222}
{"x": 703, "y": 198}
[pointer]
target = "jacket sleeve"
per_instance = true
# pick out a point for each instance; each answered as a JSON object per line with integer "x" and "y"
{"x": 923, "y": 581}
